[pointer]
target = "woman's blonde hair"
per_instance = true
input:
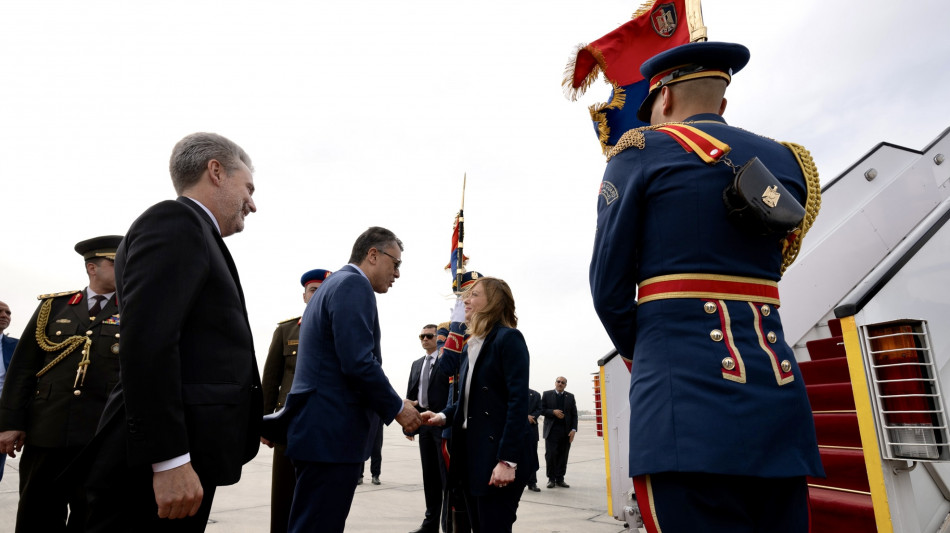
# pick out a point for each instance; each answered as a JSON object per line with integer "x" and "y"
{"x": 499, "y": 307}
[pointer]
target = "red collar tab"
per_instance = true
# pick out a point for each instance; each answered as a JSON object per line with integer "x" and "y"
{"x": 75, "y": 299}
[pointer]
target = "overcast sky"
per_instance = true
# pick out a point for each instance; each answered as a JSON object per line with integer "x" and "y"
{"x": 369, "y": 113}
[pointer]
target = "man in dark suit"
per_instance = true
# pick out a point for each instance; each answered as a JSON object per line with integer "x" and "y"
{"x": 340, "y": 392}
{"x": 7, "y": 345}
{"x": 186, "y": 415}
{"x": 278, "y": 376}
{"x": 56, "y": 387}
{"x": 560, "y": 425}
{"x": 534, "y": 412}
{"x": 430, "y": 388}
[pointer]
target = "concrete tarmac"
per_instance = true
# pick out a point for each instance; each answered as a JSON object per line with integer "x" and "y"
{"x": 398, "y": 504}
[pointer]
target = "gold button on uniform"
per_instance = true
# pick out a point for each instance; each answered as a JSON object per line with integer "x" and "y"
{"x": 77, "y": 392}
{"x": 709, "y": 307}
{"x": 59, "y": 332}
{"x": 88, "y": 332}
{"x": 115, "y": 348}
{"x": 786, "y": 366}
{"x": 766, "y": 310}
{"x": 117, "y": 335}
{"x": 728, "y": 363}
{"x": 715, "y": 335}
{"x": 772, "y": 337}
{"x": 294, "y": 352}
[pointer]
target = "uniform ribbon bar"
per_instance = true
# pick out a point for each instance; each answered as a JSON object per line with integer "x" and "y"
{"x": 710, "y": 286}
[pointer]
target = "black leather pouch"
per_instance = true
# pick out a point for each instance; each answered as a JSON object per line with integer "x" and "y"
{"x": 758, "y": 203}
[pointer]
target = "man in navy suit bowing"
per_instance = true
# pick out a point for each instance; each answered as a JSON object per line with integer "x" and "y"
{"x": 340, "y": 392}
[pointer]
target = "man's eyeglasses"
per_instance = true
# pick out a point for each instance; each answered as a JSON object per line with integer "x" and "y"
{"x": 559, "y": 382}
{"x": 396, "y": 262}
{"x": 429, "y": 336}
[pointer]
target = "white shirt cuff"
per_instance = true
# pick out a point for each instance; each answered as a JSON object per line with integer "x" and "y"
{"x": 171, "y": 463}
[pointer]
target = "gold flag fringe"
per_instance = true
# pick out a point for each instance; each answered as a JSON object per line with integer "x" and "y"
{"x": 599, "y": 115}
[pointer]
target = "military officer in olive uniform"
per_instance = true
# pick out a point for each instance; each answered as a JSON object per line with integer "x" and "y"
{"x": 276, "y": 381}
{"x": 61, "y": 373}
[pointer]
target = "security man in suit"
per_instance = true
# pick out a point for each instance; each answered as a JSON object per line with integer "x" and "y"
{"x": 56, "y": 387}
{"x": 560, "y": 426}
{"x": 276, "y": 380}
{"x": 719, "y": 413}
{"x": 7, "y": 346}
{"x": 430, "y": 388}
{"x": 534, "y": 413}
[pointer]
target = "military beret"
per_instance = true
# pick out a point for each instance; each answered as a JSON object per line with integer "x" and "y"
{"x": 317, "y": 274}
{"x": 704, "y": 59}
{"x": 104, "y": 246}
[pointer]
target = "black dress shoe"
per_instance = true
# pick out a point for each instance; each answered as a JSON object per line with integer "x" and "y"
{"x": 534, "y": 488}
{"x": 551, "y": 484}
{"x": 563, "y": 485}
{"x": 375, "y": 480}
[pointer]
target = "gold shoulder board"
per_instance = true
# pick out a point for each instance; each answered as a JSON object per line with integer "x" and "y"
{"x": 294, "y": 319}
{"x": 57, "y": 294}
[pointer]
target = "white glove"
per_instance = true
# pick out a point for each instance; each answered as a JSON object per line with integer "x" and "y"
{"x": 458, "y": 314}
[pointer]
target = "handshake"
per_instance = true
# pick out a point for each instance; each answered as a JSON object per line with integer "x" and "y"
{"x": 410, "y": 419}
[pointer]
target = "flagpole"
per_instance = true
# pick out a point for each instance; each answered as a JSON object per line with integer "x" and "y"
{"x": 460, "y": 270}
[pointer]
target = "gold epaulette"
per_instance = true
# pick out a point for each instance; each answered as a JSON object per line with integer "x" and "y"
{"x": 294, "y": 319}
{"x": 57, "y": 294}
{"x": 445, "y": 325}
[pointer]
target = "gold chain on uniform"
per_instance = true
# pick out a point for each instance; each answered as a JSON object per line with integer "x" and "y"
{"x": 69, "y": 344}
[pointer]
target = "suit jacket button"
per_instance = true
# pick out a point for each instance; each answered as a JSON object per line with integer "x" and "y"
{"x": 486, "y": 413}
{"x": 715, "y": 335}
{"x": 772, "y": 337}
{"x": 485, "y": 389}
{"x": 728, "y": 363}
{"x": 491, "y": 438}
{"x": 786, "y": 366}
{"x": 709, "y": 307}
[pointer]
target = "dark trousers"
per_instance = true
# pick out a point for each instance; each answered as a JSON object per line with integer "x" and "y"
{"x": 129, "y": 506}
{"x": 283, "y": 480}
{"x": 496, "y": 510}
{"x": 323, "y": 496}
{"x": 533, "y": 480}
{"x": 557, "y": 447}
{"x": 454, "y": 510}
{"x": 433, "y": 475}
{"x": 376, "y": 458}
{"x": 715, "y": 503}
{"x": 44, "y": 499}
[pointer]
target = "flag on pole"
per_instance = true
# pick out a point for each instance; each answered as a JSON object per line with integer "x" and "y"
{"x": 656, "y": 26}
{"x": 457, "y": 259}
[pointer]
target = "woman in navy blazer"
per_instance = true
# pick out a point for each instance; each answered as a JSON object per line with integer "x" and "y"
{"x": 491, "y": 437}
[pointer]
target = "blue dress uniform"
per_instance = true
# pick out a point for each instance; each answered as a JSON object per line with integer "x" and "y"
{"x": 714, "y": 387}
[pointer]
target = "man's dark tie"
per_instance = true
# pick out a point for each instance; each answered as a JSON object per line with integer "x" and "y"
{"x": 96, "y": 307}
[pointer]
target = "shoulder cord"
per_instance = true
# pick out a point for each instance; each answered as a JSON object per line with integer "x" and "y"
{"x": 793, "y": 243}
{"x": 70, "y": 344}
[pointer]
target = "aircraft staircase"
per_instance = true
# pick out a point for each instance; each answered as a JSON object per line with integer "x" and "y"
{"x": 841, "y": 503}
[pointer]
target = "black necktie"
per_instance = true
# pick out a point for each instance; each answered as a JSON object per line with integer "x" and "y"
{"x": 96, "y": 307}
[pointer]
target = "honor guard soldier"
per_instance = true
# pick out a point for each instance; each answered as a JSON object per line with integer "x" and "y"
{"x": 65, "y": 365}
{"x": 721, "y": 431}
{"x": 276, "y": 380}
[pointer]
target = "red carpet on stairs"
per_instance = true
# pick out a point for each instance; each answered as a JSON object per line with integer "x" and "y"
{"x": 839, "y": 503}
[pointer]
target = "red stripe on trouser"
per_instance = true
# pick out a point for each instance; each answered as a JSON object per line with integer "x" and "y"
{"x": 642, "y": 493}
{"x": 445, "y": 453}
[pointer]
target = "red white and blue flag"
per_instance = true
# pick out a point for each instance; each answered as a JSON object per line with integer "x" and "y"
{"x": 656, "y": 26}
